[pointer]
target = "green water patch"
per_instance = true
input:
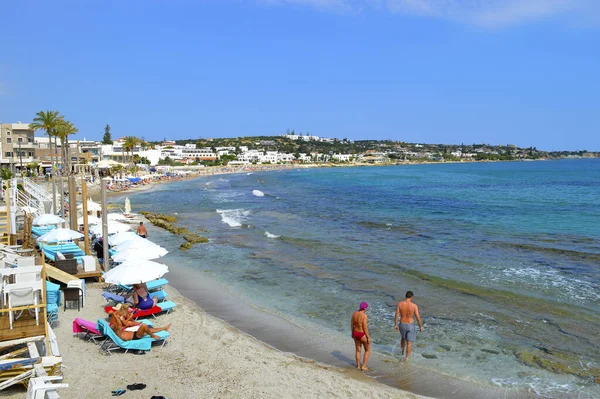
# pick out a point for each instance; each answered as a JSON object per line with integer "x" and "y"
{"x": 592, "y": 256}
{"x": 508, "y": 299}
{"x": 557, "y": 362}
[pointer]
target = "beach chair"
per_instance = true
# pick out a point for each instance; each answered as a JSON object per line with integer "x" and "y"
{"x": 161, "y": 307}
{"x": 89, "y": 328}
{"x": 38, "y": 387}
{"x": 114, "y": 342}
{"x": 154, "y": 285}
{"x": 111, "y": 296}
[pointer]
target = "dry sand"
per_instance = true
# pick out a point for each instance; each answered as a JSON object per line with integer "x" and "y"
{"x": 203, "y": 358}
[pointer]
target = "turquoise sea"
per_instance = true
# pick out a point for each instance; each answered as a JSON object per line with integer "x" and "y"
{"x": 503, "y": 258}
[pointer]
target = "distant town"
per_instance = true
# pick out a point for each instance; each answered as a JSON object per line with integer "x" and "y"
{"x": 22, "y": 151}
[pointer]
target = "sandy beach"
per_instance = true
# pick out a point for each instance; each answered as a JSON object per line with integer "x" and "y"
{"x": 204, "y": 357}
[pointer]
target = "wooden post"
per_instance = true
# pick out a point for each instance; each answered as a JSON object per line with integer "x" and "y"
{"x": 104, "y": 225}
{"x": 43, "y": 256}
{"x": 86, "y": 233}
{"x": 45, "y": 307}
{"x": 62, "y": 200}
{"x": 7, "y": 199}
{"x": 73, "y": 202}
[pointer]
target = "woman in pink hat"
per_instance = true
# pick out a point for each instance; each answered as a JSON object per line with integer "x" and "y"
{"x": 360, "y": 333}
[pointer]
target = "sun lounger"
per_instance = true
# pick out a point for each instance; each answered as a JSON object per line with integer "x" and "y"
{"x": 153, "y": 285}
{"x": 114, "y": 342}
{"x": 41, "y": 230}
{"x": 110, "y": 296}
{"x": 89, "y": 328}
{"x": 160, "y": 307}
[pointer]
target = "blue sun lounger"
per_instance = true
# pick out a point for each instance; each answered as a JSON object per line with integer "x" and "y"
{"x": 109, "y": 296}
{"x": 153, "y": 285}
{"x": 114, "y": 342}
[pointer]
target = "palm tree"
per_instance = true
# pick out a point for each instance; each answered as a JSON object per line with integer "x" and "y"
{"x": 63, "y": 130}
{"x": 48, "y": 121}
{"x": 130, "y": 143}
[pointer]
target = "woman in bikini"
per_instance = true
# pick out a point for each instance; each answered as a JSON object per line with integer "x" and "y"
{"x": 142, "y": 298}
{"x": 360, "y": 333}
{"x": 127, "y": 329}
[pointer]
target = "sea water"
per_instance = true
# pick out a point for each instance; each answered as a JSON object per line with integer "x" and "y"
{"x": 503, "y": 259}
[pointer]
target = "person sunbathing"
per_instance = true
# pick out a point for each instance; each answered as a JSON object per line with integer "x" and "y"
{"x": 142, "y": 298}
{"x": 127, "y": 329}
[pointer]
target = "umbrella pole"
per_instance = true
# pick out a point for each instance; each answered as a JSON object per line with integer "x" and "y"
{"x": 86, "y": 233}
{"x": 104, "y": 226}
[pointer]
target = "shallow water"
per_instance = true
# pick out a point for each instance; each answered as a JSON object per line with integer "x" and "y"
{"x": 502, "y": 258}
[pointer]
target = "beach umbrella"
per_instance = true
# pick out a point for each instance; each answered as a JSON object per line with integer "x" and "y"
{"x": 47, "y": 219}
{"x": 135, "y": 271}
{"x": 91, "y": 206}
{"x": 113, "y": 228}
{"x": 120, "y": 238}
{"x": 127, "y": 206}
{"x": 138, "y": 243}
{"x": 146, "y": 253}
{"x": 29, "y": 209}
{"x": 116, "y": 216}
{"x": 91, "y": 219}
{"x": 60, "y": 234}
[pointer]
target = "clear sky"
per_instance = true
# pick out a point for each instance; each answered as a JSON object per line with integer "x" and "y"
{"x": 524, "y": 72}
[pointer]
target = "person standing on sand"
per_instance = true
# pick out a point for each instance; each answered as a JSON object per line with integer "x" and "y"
{"x": 141, "y": 230}
{"x": 407, "y": 311}
{"x": 360, "y": 333}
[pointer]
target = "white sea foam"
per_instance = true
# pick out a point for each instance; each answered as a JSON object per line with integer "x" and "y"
{"x": 271, "y": 235}
{"x": 233, "y": 217}
{"x": 249, "y": 173}
{"x": 258, "y": 193}
{"x": 549, "y": 281}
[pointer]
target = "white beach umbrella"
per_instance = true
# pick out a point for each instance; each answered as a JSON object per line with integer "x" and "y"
{"x": 120, "y": 238}
{"x": 146, "y": 253}
{"x": 138, "y": 243}
{"x": 60, "y": 234}
{"x": 46, "y": 219}
{"x": 116, "y": 216}
{"x": 113, "y": 228}
{"x": 91, "y": 206}
{"x": 29, "y": 209}
{"x": 127, "y": 206}
{"x": 135, "y": 271}
{"x": 91, "y": 219}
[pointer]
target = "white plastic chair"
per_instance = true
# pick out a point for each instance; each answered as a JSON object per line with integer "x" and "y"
{"x": 21, "y": 297}
{"x": 38, "y": 386}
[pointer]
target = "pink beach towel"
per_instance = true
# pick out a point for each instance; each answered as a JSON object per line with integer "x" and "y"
{"x": 81, "y": 325}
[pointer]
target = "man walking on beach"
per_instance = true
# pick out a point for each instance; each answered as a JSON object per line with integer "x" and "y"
{"x": 407, "y": 311}
{"x": 359, "y": 330}
{"x": 141, "y": 230}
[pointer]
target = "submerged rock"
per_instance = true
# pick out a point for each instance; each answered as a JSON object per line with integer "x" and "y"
{"x": 492, "y": 351}
{"x": 167, "y": 222}
{"x": 429, "y": 355}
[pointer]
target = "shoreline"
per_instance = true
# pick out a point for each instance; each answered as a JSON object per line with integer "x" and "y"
{"x": 284, "y": 335}
{"x": 204, "y": 357}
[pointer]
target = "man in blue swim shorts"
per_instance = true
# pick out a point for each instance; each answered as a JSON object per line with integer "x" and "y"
{"x": 408, "y": 311}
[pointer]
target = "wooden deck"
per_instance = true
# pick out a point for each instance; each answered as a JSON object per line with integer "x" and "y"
{"x": 24, "y": 327}
{"x": 65, "y": 277}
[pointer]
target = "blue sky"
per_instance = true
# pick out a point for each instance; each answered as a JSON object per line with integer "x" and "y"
{"x": 524, "y": 72}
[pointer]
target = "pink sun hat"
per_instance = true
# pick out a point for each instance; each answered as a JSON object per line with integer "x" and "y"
{"x": 363, "y": 305}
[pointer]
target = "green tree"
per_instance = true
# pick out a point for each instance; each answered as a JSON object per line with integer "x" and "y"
{"x": 130, "y": 143}
{"x": 106, "y": 139}
{"x": 48, "y": 121}
{"x": 5, "y": 174}
{"x": 63, "y": 130}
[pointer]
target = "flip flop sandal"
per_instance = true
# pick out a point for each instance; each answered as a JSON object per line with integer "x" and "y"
{"x": 134, "y": 387}
{"x": 118, "y": 392}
